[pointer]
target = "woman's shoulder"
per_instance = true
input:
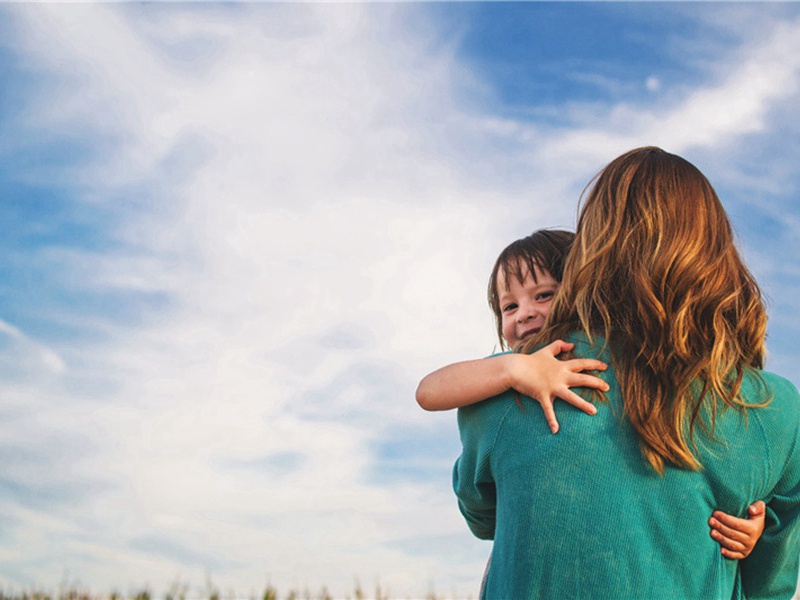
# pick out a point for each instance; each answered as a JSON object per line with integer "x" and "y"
{"x": 589, "y": 347}
{"x": 492, "y": 408}
{"x": 780, "y": 414}
{"x": 759, "y": 386}
{"x": 779, "y": 382}
{"x": 480, "y": 424}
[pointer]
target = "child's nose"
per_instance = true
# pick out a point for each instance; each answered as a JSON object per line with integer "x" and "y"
{"x": 527, "y": 313}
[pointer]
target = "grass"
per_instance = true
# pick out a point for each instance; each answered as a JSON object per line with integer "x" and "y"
{"x": 181, "y": 592}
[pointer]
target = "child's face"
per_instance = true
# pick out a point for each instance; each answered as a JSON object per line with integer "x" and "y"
{"x": 524, "y": 306}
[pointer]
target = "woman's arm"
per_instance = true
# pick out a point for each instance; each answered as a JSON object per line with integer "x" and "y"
{"x": 771, "y": 569}
{"x": 737, "y": 536}
{"x": 539, "y": 375}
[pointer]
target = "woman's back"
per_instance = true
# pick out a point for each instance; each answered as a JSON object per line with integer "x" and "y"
{"x": 582, "y": 514}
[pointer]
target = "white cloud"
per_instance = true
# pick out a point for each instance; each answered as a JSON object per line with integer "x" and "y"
{"x": 759, "y": 76}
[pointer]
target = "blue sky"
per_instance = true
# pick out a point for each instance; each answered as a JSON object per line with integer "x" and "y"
{"x": 236, "y": 237}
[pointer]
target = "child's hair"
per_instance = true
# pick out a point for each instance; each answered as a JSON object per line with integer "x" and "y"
{"x": 545, "y": 249}
{"x": 655, "y": 271}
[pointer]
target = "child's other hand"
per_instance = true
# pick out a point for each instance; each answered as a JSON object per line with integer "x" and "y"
{"x": 544, "y": 378}
{"x": 737, "y": 536}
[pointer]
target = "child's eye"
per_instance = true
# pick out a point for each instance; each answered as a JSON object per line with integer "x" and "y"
{"x": 544, "y": 296}
{"x": 509, "y": 307}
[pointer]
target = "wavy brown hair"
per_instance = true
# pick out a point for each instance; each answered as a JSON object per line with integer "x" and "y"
{"x": 654, "y": 270}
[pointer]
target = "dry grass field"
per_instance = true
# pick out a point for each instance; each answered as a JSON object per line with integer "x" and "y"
{"x": 182, "y": 592}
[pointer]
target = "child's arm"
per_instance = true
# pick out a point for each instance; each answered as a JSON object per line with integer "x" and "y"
{"x": 539, "y": 375}
{"x": 738, "y": 537}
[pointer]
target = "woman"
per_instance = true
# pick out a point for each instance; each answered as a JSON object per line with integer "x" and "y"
{"x": 615, "y": 506}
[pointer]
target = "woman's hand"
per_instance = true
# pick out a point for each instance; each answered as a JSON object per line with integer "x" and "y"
{"x": 737, "y": 536}
{"x": 544, "y": 378}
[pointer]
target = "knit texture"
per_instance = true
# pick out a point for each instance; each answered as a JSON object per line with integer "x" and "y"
{"x": 581, "y": 514}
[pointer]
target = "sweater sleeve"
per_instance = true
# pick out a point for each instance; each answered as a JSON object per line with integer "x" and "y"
{"x": 477, "y": 496}
{"x": 771, "y": 570}
{"x": 473, "y": 479}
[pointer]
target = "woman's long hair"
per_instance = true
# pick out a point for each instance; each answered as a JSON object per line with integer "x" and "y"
{"x": 654, "y": 270}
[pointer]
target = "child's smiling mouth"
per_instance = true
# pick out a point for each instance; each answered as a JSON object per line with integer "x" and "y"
{"x": 526, "y": 334}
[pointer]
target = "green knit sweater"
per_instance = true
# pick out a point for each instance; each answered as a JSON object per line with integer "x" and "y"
{"x": 581, "y": 514}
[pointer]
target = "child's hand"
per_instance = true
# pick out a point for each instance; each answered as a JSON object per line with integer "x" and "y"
{"x": 543, "y": 377}
{"x": 738, "y": 536}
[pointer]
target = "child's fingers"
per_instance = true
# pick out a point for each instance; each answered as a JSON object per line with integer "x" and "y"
{"x": 550, "y": 415}
{"x": 586, "y": 364}
{"x": 560, "y": 346}
{"x": 738, "y": 532}
{"x": 757, "y": 509}
{"x": 587, "y": 381}
{"x": 578, "y": 402}
{"x": 733, "y": 555}
{"x": 727, "y": 542}
{"x": 741, "y": 527}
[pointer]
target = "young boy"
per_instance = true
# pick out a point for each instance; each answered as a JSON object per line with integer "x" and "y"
{"x": 522, "y": 285}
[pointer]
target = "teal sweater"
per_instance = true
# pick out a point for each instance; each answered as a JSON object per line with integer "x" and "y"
{"x": 581, "y": 514}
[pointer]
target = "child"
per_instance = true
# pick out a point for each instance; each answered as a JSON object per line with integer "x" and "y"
{"x": 522, "y": 285}
{"x": 523, "y": 282}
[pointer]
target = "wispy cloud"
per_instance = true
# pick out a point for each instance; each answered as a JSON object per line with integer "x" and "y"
{"x": 19, "y": 349}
